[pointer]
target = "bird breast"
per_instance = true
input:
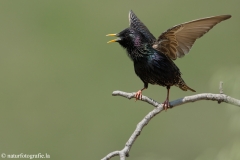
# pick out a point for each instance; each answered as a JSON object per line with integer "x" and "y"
{"x": 157, "y": 69}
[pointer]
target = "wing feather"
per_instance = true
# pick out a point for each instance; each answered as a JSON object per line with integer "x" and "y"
{"x": 135, "y": 23}
{"x": 178, "y": 40}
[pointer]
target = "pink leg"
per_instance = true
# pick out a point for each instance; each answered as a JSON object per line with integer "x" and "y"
{"x": 166, "y": 102}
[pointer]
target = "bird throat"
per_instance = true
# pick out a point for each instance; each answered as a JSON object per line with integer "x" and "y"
{"x": 137, "y": 42}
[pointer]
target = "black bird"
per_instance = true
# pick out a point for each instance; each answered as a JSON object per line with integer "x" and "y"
{"x": 153, "y": 57}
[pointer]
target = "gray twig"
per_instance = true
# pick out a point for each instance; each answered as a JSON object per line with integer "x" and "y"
{"x": 221, "y": 87}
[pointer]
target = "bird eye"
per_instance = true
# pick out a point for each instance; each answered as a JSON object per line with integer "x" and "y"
{"x": 131, "y": 35}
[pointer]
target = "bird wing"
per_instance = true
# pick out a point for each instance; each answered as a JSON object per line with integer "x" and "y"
{"x": 135, "y": 23}
{"x": 178, "y": 40}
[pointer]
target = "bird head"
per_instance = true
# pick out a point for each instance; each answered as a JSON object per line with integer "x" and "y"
{"x": 128, "y": 38}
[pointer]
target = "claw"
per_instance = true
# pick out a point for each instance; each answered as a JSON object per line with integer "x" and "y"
{"x": 166, "y": 104}
{"x": 138, "y": 95}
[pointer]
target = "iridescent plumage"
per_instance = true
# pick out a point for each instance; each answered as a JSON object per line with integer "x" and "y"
{"x": 153, "y": 57}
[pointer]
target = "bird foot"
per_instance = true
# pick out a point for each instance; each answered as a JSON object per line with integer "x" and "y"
{"x": 166, "y": 104}
{"x": 138, "y": 95}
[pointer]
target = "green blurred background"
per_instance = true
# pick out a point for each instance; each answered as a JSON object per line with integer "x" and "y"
{"x": 58, "y": 73}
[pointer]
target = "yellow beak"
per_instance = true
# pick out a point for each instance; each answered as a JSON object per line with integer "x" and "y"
{"x": 114, "y": 40}
{"x": 111, "y": 34}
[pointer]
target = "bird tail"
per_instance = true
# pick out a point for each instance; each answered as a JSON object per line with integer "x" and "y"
{"x": 182, "y": 85}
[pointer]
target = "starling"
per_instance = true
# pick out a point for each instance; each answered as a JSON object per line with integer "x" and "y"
{"x": 153, "y": 58}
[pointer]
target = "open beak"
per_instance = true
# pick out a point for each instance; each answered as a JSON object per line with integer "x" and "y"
{"x": 114, "y": 40}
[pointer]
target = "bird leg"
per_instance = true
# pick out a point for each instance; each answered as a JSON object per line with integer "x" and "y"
{"x": 138, "y": 94}
{"x": 166, "y": 102}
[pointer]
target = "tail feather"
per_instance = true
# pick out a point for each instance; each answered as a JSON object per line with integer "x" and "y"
{"x": 190, "y": 89}
{"x": 182, "y": 85}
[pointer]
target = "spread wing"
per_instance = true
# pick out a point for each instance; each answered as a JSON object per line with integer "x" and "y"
{"x": 135, "y": 23}
{"x": 178, "y": 40}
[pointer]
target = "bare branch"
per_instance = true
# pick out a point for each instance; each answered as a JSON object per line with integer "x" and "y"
{"x": 158, "y": 108}
{"x": 187, "y": 99}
